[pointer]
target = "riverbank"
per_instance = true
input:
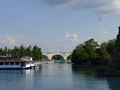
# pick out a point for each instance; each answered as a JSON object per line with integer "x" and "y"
{"x": 42, "y": 62}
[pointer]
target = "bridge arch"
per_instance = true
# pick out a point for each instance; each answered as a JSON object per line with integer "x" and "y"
{"x": 69, "y": 57}
{"x": 58, "y": 58}
{"x": 50, "y": 55}
{"x": 45, "y": 58}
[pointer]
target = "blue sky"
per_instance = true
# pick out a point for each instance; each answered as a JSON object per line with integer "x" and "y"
{"x": 57, "y": 25}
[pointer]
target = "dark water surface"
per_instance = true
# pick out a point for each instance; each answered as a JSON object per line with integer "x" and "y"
{"x": 56, "y": 77}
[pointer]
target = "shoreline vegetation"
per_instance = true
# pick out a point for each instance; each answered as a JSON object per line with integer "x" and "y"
{"x": 87, "y": 53}
{"x": 98, "y": 56}
{"x": 22, "y": 51}
{"x": 91, "y": 53}
{"x": 106, "y": 55}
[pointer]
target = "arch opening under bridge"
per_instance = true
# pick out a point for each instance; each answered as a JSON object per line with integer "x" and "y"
{"x": 58, "y": 59}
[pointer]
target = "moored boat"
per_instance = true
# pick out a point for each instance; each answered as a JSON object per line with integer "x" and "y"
{"x": 23, "y": 63}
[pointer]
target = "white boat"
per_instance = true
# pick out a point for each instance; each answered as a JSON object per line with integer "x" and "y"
{"x": 22, "y": 63}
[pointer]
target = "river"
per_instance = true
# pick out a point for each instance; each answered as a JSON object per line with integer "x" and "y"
{"x": 56, "y": 77}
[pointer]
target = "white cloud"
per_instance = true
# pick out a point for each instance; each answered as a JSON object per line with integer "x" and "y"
{"x": 99, "y": 6}
{"x": 17, "y": 40}
{"x": 11, "y": 40}
{"x": 103, "y": 33}
{"x": 7, "y": 40}
{"x": 72, "y": 37}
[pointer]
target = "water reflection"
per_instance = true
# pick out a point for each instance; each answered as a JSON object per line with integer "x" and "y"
{"x": 84, "y": 77}
{"x": 114, "y": 83}
{"x": 56, "y": 77}
{"x": 88, "y": 71}
{"x": 15, "y": 79}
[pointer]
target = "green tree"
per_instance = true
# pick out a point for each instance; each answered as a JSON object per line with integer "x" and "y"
{"x": 85, "y": 53}
{"x": 28, "y": 51}
{"x": 91, "y": 53}
{"x": 105, "y": 50}
{"x": 110, "y": 45}
{"x": 90, "y": 47}
{"x": 1, "y": 51}
{"x": 36, "y": 53}
{"x": 79, "y": 55}
{"x": 15, "y": 52}
{"x": 21, "y": 51}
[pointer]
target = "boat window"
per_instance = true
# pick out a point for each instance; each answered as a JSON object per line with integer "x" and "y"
{"x": 17, "y": 63}
{"x": 23, "y": 64}
{"x": 1, "y": 63}
{"x": 6, "y": 63}
{"x": 11, "y": 63}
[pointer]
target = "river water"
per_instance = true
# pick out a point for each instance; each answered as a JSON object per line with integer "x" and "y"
{"x": 56, "y": 77}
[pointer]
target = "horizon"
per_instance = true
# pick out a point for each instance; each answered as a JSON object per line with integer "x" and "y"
{"x": 57, "y": 25}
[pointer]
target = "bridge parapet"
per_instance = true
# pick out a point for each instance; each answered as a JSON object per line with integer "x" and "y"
{"x": 65, "y": 55}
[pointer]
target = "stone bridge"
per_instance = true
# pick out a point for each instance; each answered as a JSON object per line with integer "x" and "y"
{"x": 51, "y": 55}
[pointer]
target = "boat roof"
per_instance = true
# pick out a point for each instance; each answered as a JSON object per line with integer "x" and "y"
{"x": 15, "y": 61}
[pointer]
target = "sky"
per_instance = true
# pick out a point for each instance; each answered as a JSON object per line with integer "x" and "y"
{"x": 57, "y": 25}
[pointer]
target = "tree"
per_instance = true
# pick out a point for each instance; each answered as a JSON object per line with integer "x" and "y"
{"x": 105, "y": 50}
{"x": 79, "y": 55}
{"x": 85, "y": 53}
{"x": 110, "y": 46}
{"x": 28, "y": 51}
{"x": 1, "y": 51}
{"x": 21, "y": 51}
{"x": 90, "y": 46}
{"x": 14, "y": 52}
{"x": 91, "y": 53}
{"x": 36, "y": 53}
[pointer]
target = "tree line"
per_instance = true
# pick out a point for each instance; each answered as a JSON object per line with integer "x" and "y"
{"x": 90, "y": 52}
{"x": 21, "y": 51}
